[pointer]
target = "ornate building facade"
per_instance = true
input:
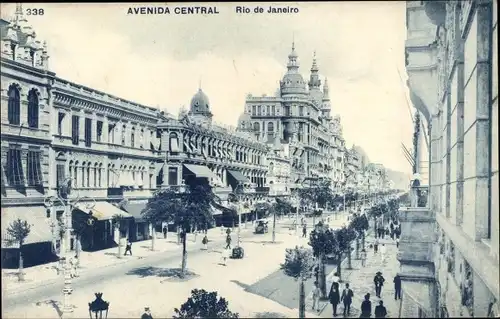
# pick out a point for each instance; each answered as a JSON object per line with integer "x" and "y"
{"x": 452, "y": 64}
{"x": 115, "y": 152}
{"x": 299, "y": 116}
{"x": 232, "y": 160}
{"x": 279, "y": 170}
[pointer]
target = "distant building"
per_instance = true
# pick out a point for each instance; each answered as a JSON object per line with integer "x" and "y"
{"x": 299, "y": 116}
{"x": 279, "y": 170}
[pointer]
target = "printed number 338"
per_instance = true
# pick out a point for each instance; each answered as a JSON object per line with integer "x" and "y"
{"x": 35, "y": 12}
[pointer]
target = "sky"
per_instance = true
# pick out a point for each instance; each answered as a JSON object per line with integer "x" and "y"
{"x": 160, "y": 60}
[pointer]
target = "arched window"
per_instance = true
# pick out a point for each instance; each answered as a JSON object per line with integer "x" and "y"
{"x": 110, "y": 182}
{"x": 75, "y": 175}
{"x": 271, "y": 167}
{"x": 70, "y": 175}
{"x": 33, "y": 109}
{"x": 96, "y": 170}
{"x": 256, "y": 126}
{"x": 132, "y": 137}
{"x": 174, "y": 142}
{"x": 14, "y": 110}
{"x": 270, "y": 127}
{"x": 88, "y": 174}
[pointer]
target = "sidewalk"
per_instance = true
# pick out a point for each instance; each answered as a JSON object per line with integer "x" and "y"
{"x": 43, "y": 274}
{"x": 360, "y": 280}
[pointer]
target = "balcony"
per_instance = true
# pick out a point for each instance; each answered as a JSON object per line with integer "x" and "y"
{"x": 24, "y": 131}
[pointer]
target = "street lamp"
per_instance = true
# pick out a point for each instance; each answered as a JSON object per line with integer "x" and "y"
{"x": 62, "y": 198}
{"x": 98, "y": 306}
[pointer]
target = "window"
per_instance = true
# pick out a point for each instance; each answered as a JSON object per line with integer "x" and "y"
{"x": 82, "y": 182}
{"x": 75, "y": 174}
{"x": 301, "y": 110}
{"x": 287, "y": 111}
{"x": 132, "y": 137}
{"x": 174, "y": 143}
{"x": 60, "y": 119}
{"x": 259, "y": 110}
{"x": 270, "y": 127}
{"x": 273, "y": 110}
{"x": 88, "y": 175}
{"x": 88, "y": 132}
{"x": 99, "y": 131}
{"x": 14, "y": 172}
{"x": 99, "y": 176}
{"x": 33, "y": 109}
{"x": 254, "y": 110}
{"x": 268, "y": 108}
{"x": 14, "y": 108}
{"x": 75, "y": 129}
{"x": 60, "y": 174}
{"x": 124, "y": 129}
{"x": 34, "y": 168}
{"x": 96, "y": 169}
{"x": 141, "y": 139}
{"x": 111, "y": 133}
{"x": 256, "y": 127}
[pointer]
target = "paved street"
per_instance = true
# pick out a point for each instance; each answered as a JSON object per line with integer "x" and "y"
{"x": 131, "y": 286}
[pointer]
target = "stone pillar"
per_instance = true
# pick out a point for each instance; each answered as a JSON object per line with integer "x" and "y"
{"x": 416, "y": 251}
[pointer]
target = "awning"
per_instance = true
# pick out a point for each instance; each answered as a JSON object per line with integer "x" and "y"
{"x": 215, "y": 211}
{"x": 36, "y": 216}
{"x": 200, "y": 171}
{"x": 238, "y": 176}
{"x": 103, "y": 210}
{"x": 135, "y": 209}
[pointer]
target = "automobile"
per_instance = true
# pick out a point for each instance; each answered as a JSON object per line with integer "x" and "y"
{"x": 261, "y": 226}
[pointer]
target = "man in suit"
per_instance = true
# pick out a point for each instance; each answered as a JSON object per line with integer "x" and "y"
{"x": 346, "y": 298}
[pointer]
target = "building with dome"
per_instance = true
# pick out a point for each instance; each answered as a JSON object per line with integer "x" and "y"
{"x": 299, "y": 116}
{"x": 232, "y": 160}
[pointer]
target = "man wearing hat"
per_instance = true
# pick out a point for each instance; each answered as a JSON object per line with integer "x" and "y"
{"x": 378, "y": 280}
{"x": 146, "y": 314}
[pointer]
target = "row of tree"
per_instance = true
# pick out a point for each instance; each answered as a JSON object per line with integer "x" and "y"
{"x": 301, "y": 263}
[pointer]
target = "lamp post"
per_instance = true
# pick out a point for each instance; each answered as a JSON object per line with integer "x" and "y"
{"x": 62, "y": 198}
{"x": 98, "y": 306}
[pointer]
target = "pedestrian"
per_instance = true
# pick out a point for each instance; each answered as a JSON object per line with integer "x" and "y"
{"x": 204, "y": 241}
{"x": 378, "y": 280}
{"x": 391, "y": 226}
{"x": 383, "y": 250}
{"x": 366, "y": 307}
{"x": 346, "y": 298}
{"x": 397, "y": 287}
{"x": 304, "y": 231}
{"x": 334, "y": 295}
{"x": 380, "y": 311}
{"x": 165, "y": 230}
{"x": 228, "y": 231}
{"x": 128, "y": 248}
{"x": 316, "y": 294}
{"x": 228, "y": 241}
{"x": 397, "y": 242}
{"x": 363, "y": 257}
{"x": 225, "y": 256}
{"x": 78, "y": 247}
{"x": 375, "y": 245}
{"x": 147, "y": 314}
{"x": 397, "y": 231}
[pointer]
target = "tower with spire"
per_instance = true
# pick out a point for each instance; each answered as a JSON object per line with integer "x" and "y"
{"x": 19, "y": 41}
{"x": 326, "y": 107}
{"x": 293, "y": 82}
{"x": 315, "y": 82}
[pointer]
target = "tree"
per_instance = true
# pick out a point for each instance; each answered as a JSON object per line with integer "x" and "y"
{"x": 298, "y": 265}
{"x": 117, "y": 223}
{"x": 203, "y": 304}
{"x": 344, "y": 236}
{"x": 18, "y": 231}
{"x": 360, "y": 225}
{"x": 323, "y": 242}
{"x": 188, "y": 208}
{"x": 320, "y": 194}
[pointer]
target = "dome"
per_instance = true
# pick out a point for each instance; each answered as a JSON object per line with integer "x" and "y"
{"x": 293, "y": 83}
{"x": 200, "y": 103}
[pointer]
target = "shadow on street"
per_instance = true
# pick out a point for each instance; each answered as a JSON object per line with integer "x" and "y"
{"x": 268, "y": 314}
{"x": 161, "y": 272}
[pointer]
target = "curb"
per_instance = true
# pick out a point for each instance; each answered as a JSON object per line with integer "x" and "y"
{"x": 47, "y": 282}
